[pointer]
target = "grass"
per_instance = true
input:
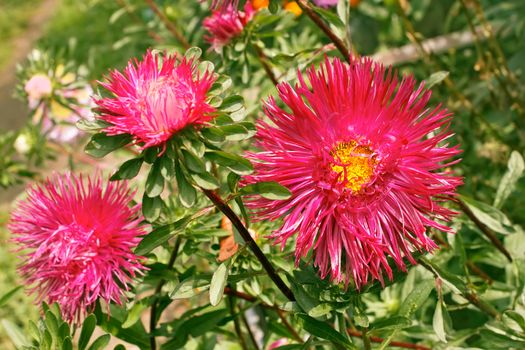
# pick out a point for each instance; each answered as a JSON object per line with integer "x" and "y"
{"x": 14, "y": 18}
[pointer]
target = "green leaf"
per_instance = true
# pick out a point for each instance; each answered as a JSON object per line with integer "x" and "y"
{"x": 192, "y": 162}
{"x": 128, "y": 170}
{"x": 438, "y": 323}
{"x": 190, "y": 287}
{"x": 193, "y": 53}
{"x": 151, "y": 207}
{"x": 235, "y": 163}
{"x": 201, "y": 324}
{"x": 320, "y": 310}
{"x": 392, "y": 323}
{"x": 206, "y": 181}
{"x": 490, "y": 216}
{"x": 218, "y": 282}
{"x": 330, "y": 17}
{"x": 515, "y": 166}
{"x": 91, "y": 125}
{"x": 102, "y": 144}
{"x": 87, "y": 331}
{"x": 15, "y": 334}
{"x": 213, "y": 134}
{"x": 436, "y": 78}
{"x": 67, "y": 344}
{"x": 270, "y": 190}
{"x": 135, "y": 312}
{"x": 161, "y": 235}
{"x": 7, "y": 296}
{"x": 236, "y": 132}
{"x": 416, "y": 298}
{"x": 167, "y": 167}
{"x": 101, "y": 342}
{"x": 187, "y": 193}
{"x": 324, "y": 331}
{"x": 155, "y": 181}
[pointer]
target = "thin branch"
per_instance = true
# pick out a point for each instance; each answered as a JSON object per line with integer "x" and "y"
{"x": 399, "y": 344}
{"x": 245, "y": 234}
{"x": 158, "y": 289}
{"x": 236, "y": 323}
{"x": 250, "y": 333}
{"x": 168, "y": 24}
{"x": 339, "y": 44}
{"x": 485, "y": 230}
{"x": 287, "y": 324}
{"x": 263, "y": 59}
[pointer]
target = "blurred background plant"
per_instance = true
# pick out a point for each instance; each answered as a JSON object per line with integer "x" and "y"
{"x": 469, "y": 295}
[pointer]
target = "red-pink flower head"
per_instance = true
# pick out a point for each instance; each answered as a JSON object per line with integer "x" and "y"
{"x": 155, "y": 98}
{"x": 77, "y": 236}
{"x": 226, "y": 24}
{"x": 361, "y": 154}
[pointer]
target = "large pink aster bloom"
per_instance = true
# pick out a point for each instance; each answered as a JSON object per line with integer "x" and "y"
{"x": 77, "y": 236}
{"x": 361, "y": 154}
{"x": 224, "y": 25}
{"x": 155, "y": 98}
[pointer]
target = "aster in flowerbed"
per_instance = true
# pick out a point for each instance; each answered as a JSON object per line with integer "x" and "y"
{"x": 76, "y": 235}
{"x": 367, "y": 180}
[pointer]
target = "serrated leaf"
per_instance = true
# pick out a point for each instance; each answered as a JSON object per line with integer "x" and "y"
{"x": 270, "y": 190}
{"x": 161, "y": 235}
{"x": 218, "y": 282}
{"x": 102, "y": 144}
{"x": 515, "y": 166}
{"x": 87, "y": 331}
{"x": 128, "y": 170}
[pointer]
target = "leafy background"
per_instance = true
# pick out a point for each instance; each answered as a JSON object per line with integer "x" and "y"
{"x": 469, "y": 295}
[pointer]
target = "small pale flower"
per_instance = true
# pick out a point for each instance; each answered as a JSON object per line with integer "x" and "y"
{"x": 363, "y": 157}
{"x": 77, "y": 236}
{"x": 39, "y": 86}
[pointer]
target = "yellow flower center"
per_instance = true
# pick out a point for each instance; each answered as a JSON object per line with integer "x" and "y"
{"x": 354, "y": 164}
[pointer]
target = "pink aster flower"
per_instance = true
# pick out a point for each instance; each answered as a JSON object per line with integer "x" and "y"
{"x": 155, "y": 98}
{"x": 224, "y": 25}
{"x": 362, "y": 156}
{"x": 77, "y": 235}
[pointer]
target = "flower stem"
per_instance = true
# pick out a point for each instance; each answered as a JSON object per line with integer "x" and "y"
{"x": 243, "y": 231}
{"x": 263, "y": 59}
{"x": 153, "y": 312}
{"x": 168, "y": 24}
{"x": 339, "y": 44}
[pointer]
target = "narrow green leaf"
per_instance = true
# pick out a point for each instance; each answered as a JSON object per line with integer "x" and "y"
{"x": 7, "y": 296}
{"x": 490, "y": 216}
{"x": 213, "y": 134}
{"x": 392, "y": 323}
{"x": 87, "y": 331}
{"x": 189, "y": 288}
{"x": 67, "y": 344}
{"x": 192, "y": 162}
{"x": 101, "y": 342}
{"x": 135, "y": 312}
{"x": 232, "y": 104}
{"x": 323, "y": 330}
{"x": 416, "y": 298}
{"x": 102, "y": 144}
{"x": 218, "y": 282}
{"x": 15, "y": 334}
{"x": 233, "y": 162}
{"x": 270, "y": 190}
{"x": 437, "y": 322}
{"x": 187, "y": 193}
{"x": 155, "y": 181}
{"x": 167, "y": 167}
{"x": 206, "y": 181}
{"x": 515, "y": 166}
{"x": 436, "y": 78}
{"x": 320, "y": 310}
{"x": 161, "y": 235}
{"x": 193, "y": 53}
{"x": 91, "y": 125}
{"x": 128, "y": 170}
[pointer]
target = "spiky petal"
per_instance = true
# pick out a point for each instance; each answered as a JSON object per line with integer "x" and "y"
{"x": 362, "y": 156}
{"x": 77, "y": 236}
{"x": 155, "y": 98}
